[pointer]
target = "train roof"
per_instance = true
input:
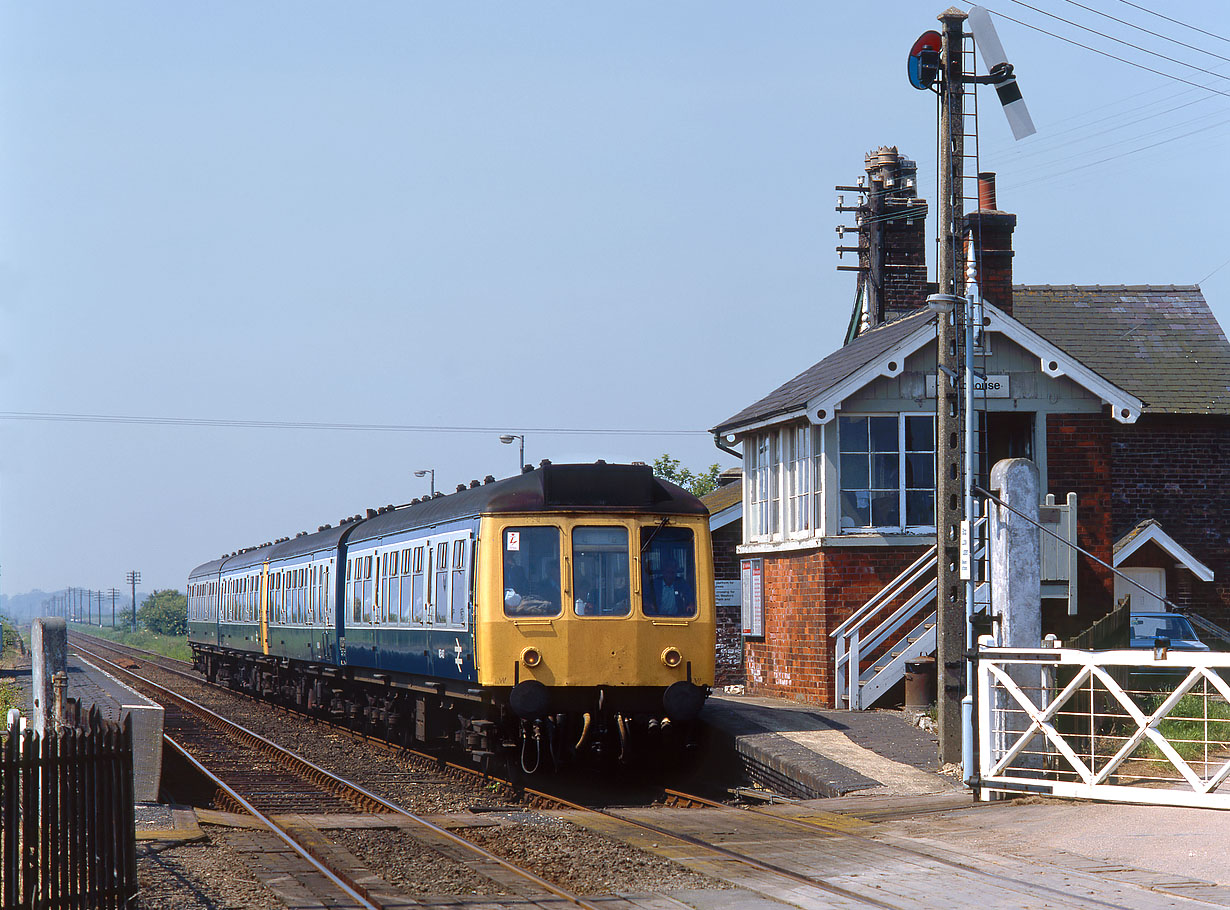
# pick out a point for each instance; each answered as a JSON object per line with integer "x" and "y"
{"x": 207, "y": 570}
{"x": 598, "y": 487}
{"x": 324, "y": 539}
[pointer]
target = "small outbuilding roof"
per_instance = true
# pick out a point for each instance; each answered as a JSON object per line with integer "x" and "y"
{"x": 1149, "y": 531}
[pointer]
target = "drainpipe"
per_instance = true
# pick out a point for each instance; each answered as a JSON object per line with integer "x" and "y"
{"x": 721, "y": 444}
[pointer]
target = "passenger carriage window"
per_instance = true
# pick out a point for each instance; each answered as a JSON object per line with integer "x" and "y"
{"x": 393, "y": 598}
{"x": 600, "y": 576}
{"x": 382, "y": 565}
{"x": 441, "y": 598}
{"x": 460, "y": 590}
{"x": 328, "y": 599}
{"x": 531, "y": 571}
{"x": 404, "y": 586}
{"x": 418, "y": 588}
{"x": 368, "y": 594}
{"x": 668, "y": 569}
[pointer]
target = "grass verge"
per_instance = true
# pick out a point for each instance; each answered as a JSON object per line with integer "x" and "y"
{"x": 166, "y": 645}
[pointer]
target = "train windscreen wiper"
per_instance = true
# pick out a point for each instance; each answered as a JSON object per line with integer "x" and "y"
{"x": 662, "y": 524}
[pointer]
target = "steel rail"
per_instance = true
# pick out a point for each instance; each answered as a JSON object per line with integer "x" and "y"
{"x": 351, "y": 889}
{"x": 366, "y": 794}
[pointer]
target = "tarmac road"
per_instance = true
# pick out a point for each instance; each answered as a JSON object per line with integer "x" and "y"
{"x": 1186, "y": 843}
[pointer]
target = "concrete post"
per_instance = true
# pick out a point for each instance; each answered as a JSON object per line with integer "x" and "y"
{"x": 49, "y": 644}
{"x": 1016, "y": 596}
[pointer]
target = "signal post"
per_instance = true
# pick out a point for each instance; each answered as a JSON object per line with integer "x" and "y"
{"x": 950, "y": 612}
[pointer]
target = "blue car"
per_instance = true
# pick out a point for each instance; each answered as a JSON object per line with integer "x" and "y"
{"x": 1147, "y": 627}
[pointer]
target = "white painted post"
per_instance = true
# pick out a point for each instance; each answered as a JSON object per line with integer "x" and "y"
{"x": 49, "y": 653}
{"x": 1016, "y": 593}
{"x": 854, "y": 690}
{"x": 837, "y": 664}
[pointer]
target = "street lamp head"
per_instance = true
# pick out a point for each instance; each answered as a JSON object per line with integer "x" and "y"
{"x": 420, "y": 473}
{"x": 507, "y": 439}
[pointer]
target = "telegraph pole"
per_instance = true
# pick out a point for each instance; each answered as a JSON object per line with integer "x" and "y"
{"x": 133, "y": 578}
{"x": 114, "y": 592}
{"x": 949, "y": 394}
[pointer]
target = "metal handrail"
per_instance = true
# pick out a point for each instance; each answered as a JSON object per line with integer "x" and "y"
{"x": 889, "y": 590}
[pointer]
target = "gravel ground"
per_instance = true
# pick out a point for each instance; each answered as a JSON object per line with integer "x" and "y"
{"x": 205, "y": 875}
{"x": 582, "y": 861}
{"x": 408, "y": 866}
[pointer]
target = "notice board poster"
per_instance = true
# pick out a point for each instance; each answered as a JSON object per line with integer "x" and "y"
{"x": 752, "y": 576}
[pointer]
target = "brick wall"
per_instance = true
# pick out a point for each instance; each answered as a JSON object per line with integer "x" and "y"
{"x": 904, "y": 267}
{"x": 1080, "y": 460}
{"x": 806, "y": 596}
{"x": 1175, "y": 469}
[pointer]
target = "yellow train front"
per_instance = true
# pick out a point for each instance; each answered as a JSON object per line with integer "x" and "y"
{"x": 594, "y": 615}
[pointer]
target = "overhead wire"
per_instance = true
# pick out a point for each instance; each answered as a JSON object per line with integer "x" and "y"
{"x": 1141, "y": 28}
{"x": 1111, "y": 56}
{"x": 1036, "y": 151}
{"x": 1145, "y": 9}
{"x": 1144, "y": 50}
{"x": 230, "y": 423}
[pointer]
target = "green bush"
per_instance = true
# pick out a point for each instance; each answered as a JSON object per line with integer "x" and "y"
{"x": 164, "y": 612}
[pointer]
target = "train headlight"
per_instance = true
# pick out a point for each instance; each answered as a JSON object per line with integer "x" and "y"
{"x": 531, "y": 657}
{"x": 672, "y": 658}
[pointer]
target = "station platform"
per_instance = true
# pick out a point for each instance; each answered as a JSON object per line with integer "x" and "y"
{"x": 805, "y": 752}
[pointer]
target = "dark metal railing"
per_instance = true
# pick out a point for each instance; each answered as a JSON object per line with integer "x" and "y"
{"x": 67, "y": 827}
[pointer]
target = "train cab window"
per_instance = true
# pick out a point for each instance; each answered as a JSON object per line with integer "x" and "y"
{"x": 668, "y": 564}
{"x": 600, "y": 576}
{"x": 531, "y": 571}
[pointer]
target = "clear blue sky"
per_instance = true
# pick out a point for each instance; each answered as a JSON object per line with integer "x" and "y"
{"x": 537, "y": 215}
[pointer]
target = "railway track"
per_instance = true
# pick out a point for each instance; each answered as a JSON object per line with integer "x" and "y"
{"x": 803, "y": 856}
{"x": 260, "y": 778}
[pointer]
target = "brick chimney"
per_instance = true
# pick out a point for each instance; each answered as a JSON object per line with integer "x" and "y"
{"x": 892, "y": 234}
{"x": 992, "y": 232}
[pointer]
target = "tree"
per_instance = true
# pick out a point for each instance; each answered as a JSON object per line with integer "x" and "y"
{"x": 697, "y": 484}
{"x": 165, "y": 612}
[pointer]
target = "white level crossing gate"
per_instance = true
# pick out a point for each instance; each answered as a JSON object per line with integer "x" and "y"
{"x": 1129, "y": 726}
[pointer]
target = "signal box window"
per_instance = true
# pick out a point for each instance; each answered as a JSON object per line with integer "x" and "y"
{"x": 668, "y": 566}
{"x": 531, "y": 571}
{"x": 600, "y": 572}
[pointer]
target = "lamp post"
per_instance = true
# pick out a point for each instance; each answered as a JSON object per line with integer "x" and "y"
{"x": 507, "y": 439}
{"x": 424, "y": 473}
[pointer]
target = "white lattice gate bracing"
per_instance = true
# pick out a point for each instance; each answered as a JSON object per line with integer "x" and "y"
{"x": 1128, "y": 726}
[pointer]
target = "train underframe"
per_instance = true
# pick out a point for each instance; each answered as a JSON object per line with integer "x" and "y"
{"x": 531, "y": 727}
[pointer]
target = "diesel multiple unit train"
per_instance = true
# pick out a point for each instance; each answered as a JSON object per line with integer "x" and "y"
{"x": 566, "y": 612}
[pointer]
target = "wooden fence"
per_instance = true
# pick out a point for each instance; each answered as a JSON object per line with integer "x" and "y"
{"x": 67, "y": 828}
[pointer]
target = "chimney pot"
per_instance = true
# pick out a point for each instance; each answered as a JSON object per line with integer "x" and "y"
{"x": 986, "y": 192}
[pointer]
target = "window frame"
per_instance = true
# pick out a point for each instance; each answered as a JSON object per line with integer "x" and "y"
{"x": 903, "y": 527}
